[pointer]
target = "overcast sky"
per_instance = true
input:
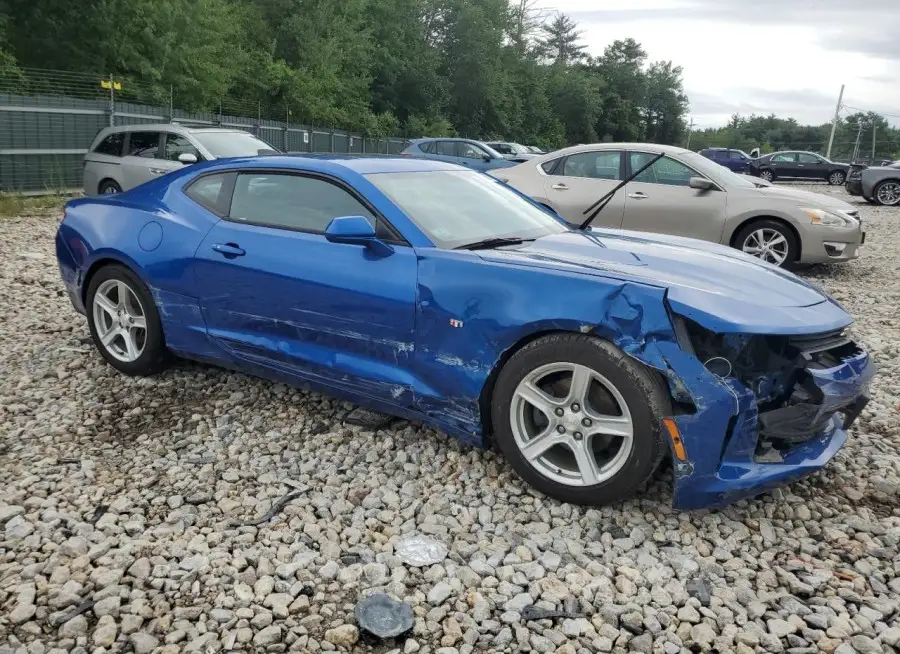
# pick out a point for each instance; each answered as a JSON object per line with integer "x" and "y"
{"x": 789, "y": 57}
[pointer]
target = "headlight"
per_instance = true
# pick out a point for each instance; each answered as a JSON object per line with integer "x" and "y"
{"x": 829, "y": 218}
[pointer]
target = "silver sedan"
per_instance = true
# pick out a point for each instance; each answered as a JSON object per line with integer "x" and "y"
{"x": 686, "y": 194}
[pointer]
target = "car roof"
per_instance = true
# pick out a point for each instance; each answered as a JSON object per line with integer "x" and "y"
{"x": 360, "y": 164}
{"x": 640, "y": 147}
{"x": 152, "y": 127}
{"x": 445, "y": 138}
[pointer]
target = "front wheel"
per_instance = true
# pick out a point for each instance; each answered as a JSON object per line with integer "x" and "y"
{"x": 837, "y": 178}
{"x": 887, "y": 193}
{"x": 109, "y": 187}
{"x": 124, "y": 322}
{"x": 766, "y": 174}
{"x": 579, "y": 420}
{"x": 769, "y": 240}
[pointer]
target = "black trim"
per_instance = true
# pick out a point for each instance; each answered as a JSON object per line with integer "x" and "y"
{"x": 381, "y": 221}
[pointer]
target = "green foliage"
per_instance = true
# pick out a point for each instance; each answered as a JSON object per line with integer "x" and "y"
{"x": 770, "y": 134}
{"x": 479, "y": 68}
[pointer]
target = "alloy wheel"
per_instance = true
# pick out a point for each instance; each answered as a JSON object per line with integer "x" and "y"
{"x": 889, "y": 193}
{"x": 571, "y": 424}
{"x": 767, "y": 175}
{"x": 767, "y": 244}
{"x": 120, "y": 320}
{"x": 837, "y": 178}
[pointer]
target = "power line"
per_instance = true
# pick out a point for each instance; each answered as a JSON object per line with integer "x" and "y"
{"x": 880, "y": 113}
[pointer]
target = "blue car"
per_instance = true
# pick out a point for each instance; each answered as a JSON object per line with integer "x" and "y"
{"x": 428, "y": 291}
{"x": 735, "y": 160}
{"x": 464, "y": 152}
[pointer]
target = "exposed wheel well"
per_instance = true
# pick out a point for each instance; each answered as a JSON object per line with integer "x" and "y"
{"x": 484, "y": 402}
{"x": 749, "y": 221}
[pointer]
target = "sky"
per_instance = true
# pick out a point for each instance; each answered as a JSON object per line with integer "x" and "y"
{"x": 787, "y": 57}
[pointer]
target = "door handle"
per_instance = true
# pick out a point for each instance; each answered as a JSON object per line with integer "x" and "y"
{"x": 800, "y": 165}
{"x": 229, "y": 250}
{"x": 560, "y": 187}
{"x": 637, "y": 195}
{"x": 157, "y": 171}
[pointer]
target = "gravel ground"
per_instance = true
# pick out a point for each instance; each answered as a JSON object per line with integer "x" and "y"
{"x": 119, "y": 497}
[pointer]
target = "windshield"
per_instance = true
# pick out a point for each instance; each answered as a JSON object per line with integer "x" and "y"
{"x": 231, "y": 144}
{"x": 714, "y": 171}
{"x": 519, "y": 149}
{"x": 461, "y": 207}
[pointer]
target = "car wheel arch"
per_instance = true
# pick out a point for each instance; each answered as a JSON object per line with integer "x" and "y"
{"x": 732, "y": 238}
{"x": 106, "y": 180}
{"x": 103, "y": 262}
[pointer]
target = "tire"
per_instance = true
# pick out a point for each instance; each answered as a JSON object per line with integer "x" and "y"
{"x": 887, "y": 193}
{"x": 109, "y": 187}
{"x": 837, "y": 178}
{"x": 149, "y": 352}
{"x": 767, "y": 175}
{"x": 626, "y": 391}
{"x": 748, "y": 236}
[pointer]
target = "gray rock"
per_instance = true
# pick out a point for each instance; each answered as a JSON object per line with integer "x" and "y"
{"x": 143, "y": 643}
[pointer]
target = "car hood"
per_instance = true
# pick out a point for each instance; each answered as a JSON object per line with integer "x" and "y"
{"x": 814, "y": 200}
{"x": 722, "y": 289}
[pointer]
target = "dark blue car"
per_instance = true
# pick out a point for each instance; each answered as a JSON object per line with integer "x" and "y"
{"x": 463, "y": 152}
{"x": 735, "y": 160}
{"x": 425, "y": 290}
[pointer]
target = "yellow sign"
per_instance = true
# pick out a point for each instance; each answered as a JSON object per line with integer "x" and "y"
{"x": 107, "y": 84}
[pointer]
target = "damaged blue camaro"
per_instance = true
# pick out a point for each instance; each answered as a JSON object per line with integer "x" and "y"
{"x": 435, "y": 293}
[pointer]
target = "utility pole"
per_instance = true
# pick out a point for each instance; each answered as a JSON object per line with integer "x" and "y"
{"x": 874, "y": 127}
{"x": 837, "y": 111}
{"x": 690, "y": 131}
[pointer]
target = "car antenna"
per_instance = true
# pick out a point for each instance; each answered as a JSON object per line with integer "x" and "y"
{"x": 602, "y": 202}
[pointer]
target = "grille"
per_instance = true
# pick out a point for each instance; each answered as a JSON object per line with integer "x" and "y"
{"x": 820, "y": 342}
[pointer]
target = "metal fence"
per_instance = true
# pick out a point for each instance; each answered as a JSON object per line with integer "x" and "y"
{"x": 48, "y": 120}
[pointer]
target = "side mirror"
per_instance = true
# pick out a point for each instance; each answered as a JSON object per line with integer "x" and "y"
{"x": 355, "y": 230}
{"x": 187, "y": 158}
{"x": 701, "y": 184}
{"x": 487, "y": 158}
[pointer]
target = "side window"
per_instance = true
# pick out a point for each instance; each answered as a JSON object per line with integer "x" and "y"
{"x": 445, "y": 148}
{"x": 111, "y": 145}
{"x": 548, "y": 166}
{"x": 502, "y": 148}
{"x": 785, "y": 157}
{"x": 734, "y": 154}
{"x": 177, "y": 145}
{"x": 143, "y": 144}
{"x": 802, "y": 157}
{"x": 594, "y": 165}
{"x": 427, "y": 147}
{"x": 469, "y": 151}
{"x": 665, "y": 171}
{"x": 292, "y": 202}
{"x": 211, "y": 191}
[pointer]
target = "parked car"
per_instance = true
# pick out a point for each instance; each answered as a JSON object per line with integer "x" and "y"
{"x": 735, "y": 160}
{"x": 435, "y": 293}
{"x": 799, "y": 165}
{"x": 534, "y": 149}
{"x": 122, "y": 157}
{"x": 878, "y": 184}
{"x": 464, "y": 152}
{"x": 686, "y": 194}
{"x": 512, "y": 151}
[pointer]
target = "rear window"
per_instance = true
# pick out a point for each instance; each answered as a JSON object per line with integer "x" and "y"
{"x": 111, "y": 145}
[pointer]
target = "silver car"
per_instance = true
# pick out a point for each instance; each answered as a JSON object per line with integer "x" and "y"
{"x": 686, "y": 194}
{"x": 120, "y": 158}
{"x": 878, "y": 184}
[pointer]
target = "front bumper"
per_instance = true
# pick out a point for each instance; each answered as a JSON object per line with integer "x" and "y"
{"x": 727, "y": 441}
{"x": 822, "y": 244}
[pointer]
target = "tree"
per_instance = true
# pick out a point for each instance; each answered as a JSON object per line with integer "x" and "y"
{"x": 561, "y": 42}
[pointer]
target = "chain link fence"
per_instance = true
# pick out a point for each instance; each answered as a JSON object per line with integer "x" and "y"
{"x": 48, "y": 120}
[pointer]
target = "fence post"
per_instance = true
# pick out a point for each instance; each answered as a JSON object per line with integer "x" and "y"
{"x": 171, "y": 103}
{"x": 287, "y": 125}
{"x": 258, "y": 117}
{"x": 331, "y": 138}
{"x": 112, "y": 101}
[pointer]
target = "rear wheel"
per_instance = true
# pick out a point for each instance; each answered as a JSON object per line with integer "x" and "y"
{"x": 124, "y": 322}
{"x": 109, "y": 187}
{"x": 579, "y": 420}
{"x": 766, "y": 174}
{"x": 837, "y": 178}
{"x": 769, "y": 240}
{"x": 887, "y": 193}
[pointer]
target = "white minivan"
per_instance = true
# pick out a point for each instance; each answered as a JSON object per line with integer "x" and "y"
{"x": 122, "y": 157}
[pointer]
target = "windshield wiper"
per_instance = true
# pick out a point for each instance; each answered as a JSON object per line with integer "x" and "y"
{"x": 597, "y": 207}
{"x": 488, "y": 243}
